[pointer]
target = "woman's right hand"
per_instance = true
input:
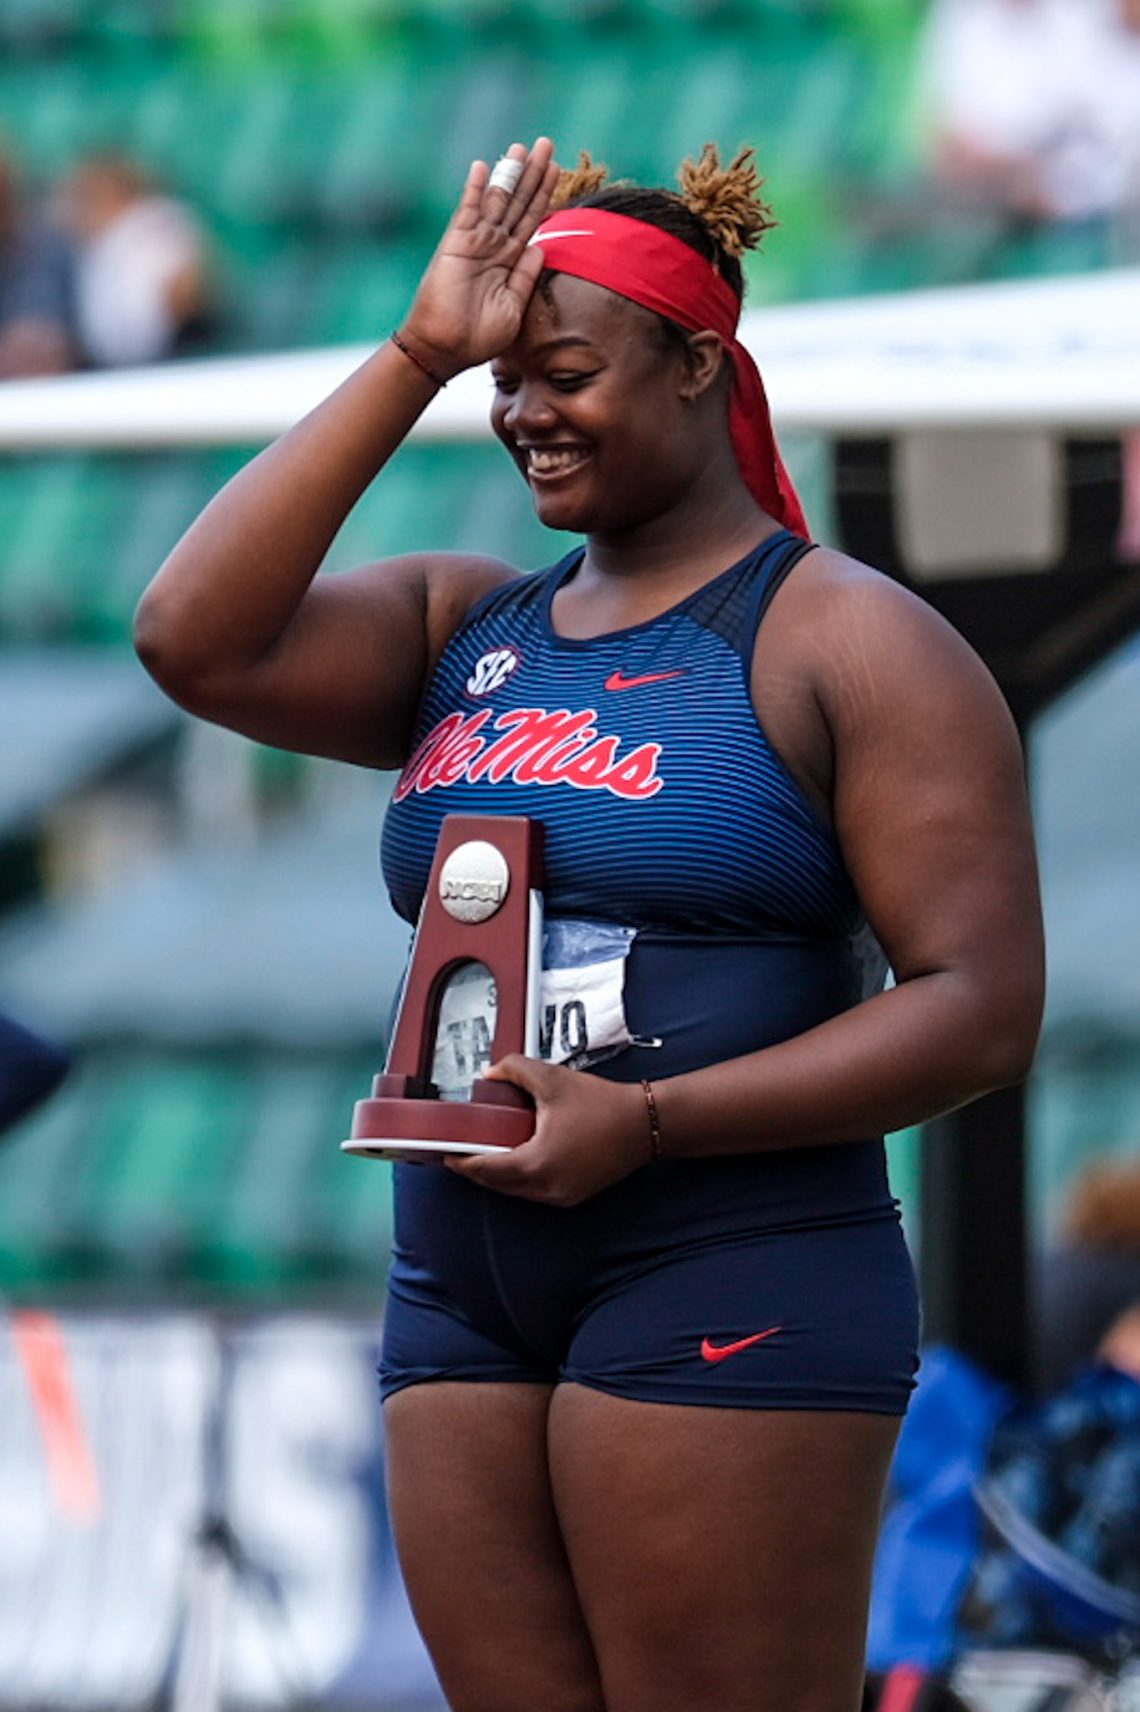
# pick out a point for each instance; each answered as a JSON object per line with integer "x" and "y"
{"x": 238, "y": 628}
{"x": 472, "y": 299}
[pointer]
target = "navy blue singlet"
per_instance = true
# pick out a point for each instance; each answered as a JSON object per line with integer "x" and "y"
{"x": 666, "y": 810}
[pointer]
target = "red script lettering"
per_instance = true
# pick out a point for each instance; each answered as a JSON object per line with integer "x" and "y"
{"x": 534, "y": 746}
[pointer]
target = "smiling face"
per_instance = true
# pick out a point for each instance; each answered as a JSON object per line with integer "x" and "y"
{"x": 597, "y": 410}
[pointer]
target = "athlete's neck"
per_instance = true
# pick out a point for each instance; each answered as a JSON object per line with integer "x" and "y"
{"x": 668, "y": 556}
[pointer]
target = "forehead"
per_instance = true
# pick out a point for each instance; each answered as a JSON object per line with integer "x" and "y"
{"x": 564, "y": 308}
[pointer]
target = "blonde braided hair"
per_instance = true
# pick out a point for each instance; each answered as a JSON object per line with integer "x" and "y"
{"x": 727, "y": 198}
{"x": 724, "y": 198}
{"x": 575, "y": 182}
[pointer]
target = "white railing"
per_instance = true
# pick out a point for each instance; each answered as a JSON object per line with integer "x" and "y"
{"x": 1061, "y": 354}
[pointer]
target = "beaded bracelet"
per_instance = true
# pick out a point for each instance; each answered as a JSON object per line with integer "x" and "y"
{"x": 419, "y": 362}
{"x": 654, "y": 1121}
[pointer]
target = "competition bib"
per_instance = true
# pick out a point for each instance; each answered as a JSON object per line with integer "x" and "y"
{"x": 581, "y": 1006}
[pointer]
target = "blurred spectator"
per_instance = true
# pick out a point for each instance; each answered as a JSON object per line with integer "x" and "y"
{"x": 1088, "y": 1285}
{"x": 36, "y": 287}
{"x": 1035, "y": 107}
{"x": 143, "y": 289}
{"x": 1059, "y": 1564}
{"x": 1120, "y": 1345}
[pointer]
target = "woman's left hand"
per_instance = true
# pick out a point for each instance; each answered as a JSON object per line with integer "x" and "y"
{"x": 589, "y": 1133}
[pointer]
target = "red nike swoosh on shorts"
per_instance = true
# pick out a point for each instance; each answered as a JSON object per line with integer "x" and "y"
{"x": 720, "y": 1352}
{"x": 616, "y": 681}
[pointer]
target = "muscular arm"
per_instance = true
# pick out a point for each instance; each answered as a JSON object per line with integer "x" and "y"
{"x": 931, "y": 811}
{"x": 235, "y": 628}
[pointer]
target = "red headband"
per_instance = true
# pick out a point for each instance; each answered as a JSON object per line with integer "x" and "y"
{"x": 664, "y": 274}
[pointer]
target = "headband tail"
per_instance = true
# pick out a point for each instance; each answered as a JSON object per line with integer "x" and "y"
{"x": 750, "y": 425}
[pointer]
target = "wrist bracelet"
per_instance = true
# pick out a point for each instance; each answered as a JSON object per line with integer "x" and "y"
{"x": 654, "y": 1121}
{"x": 412, "y": 357}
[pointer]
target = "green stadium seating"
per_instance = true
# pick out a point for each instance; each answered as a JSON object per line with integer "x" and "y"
{"x": 158, "y": 1165}
{"x": 84, "y": 534}
{"x": 360, "y": 291}
{"x": 267, "y": 294}
{"x": 62, "y": 546}
{"x": 349, "y": 1224}
{"x": 215, "y": 1176}
{"x": 261, "y": 1222}
{"x": 38, "y": 1170}
{"x": 370, "y": 172}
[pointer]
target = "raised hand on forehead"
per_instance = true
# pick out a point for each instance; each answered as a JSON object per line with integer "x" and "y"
{"x": 474, "y": 294}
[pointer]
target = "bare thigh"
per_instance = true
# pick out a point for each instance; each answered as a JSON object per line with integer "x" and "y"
{"x": 481, "y": 1551}
{"x": 722, "y": 1556}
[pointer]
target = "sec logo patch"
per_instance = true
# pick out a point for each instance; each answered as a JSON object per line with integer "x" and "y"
{"x": 492, "y": 670}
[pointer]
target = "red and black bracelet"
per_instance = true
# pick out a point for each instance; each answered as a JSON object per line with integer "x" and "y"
{"x": 400, "y": 345}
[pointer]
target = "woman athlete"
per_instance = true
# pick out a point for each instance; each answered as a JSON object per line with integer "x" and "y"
{"x": 643, "y": 1376}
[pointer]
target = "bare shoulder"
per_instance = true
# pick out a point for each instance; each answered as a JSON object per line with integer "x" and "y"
{"x": 871, "y": 646}
{"x": 436, "y": 589}
{"x": 444, "y": 583}
{"x": 836, "y": 591}
{"x": 454, "y": 583}
{"x": 348, "y": 677}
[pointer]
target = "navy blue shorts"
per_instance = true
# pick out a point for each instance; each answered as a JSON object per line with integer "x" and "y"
{"x": 708, "y": 1282}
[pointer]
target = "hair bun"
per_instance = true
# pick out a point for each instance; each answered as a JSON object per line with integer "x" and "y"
{"x": 577, "y": 181}
{"x": 726, "y": 198}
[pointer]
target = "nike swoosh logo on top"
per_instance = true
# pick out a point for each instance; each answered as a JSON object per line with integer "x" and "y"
{"x": 616, "y": 681}
{"x": 721, "y": 1352}
{"x": 552, "y": 237}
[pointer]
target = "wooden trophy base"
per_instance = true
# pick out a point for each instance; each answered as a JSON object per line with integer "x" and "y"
{"x": 397, "y": 1123}
{"x": 482, "y": 907}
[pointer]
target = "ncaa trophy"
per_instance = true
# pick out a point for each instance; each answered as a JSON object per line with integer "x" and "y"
{"x": 482, "y": 913}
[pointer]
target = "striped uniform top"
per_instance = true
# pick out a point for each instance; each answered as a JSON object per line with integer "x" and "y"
{"x": 664, "y": 805}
